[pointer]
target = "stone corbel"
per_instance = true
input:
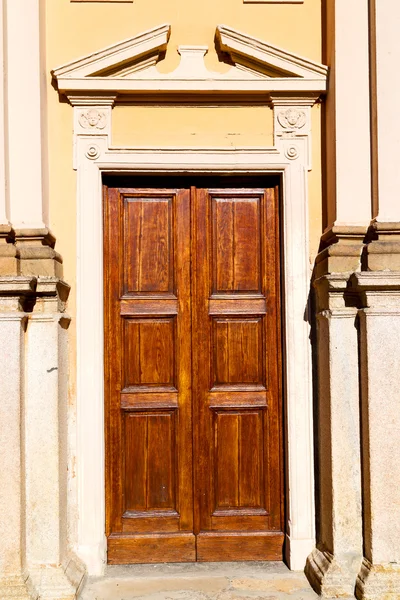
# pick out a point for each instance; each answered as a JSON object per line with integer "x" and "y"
{"x": 92, "y": 120}
{"x": 292, "y": 126}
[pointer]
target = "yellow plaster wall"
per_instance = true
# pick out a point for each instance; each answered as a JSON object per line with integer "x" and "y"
{"x": 76, "y": 29}
{"x": 192, "y": 126}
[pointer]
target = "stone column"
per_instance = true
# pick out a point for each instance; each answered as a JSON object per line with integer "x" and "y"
{"x": 348, "y": 158}
{"x": 33, "y": 470}
{"x": 8, "y": 262}
{"x": 12, "y": 324}
{"x": 45, "y": 442}
{"x": 26, "y": 117}
{"x": 333, "y": 566}
{"x": 379, "y": 576}
{"x": 383, "y": 251}
{"x": 380, "y": 323}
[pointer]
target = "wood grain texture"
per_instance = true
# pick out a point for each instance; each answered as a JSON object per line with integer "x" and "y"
{"x": 232, "y": 547}
{"x": 151, "y": 548}
{"x": 236, "y": 351}
{"x": 148, "y": 375}
{"x": 193, "y": 356}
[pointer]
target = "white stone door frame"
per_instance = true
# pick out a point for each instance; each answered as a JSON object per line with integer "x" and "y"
{"x": 94, "y": 158}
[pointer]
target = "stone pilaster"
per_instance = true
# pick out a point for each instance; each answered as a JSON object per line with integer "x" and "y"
{"x": 12, "y": 523}
{"x": 45, "y": 442}
{"x": 348, "y": 156}
{"x": 333, "y": 566}
{"x": 379, "y": 576}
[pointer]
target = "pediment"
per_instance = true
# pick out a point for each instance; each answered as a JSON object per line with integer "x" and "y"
{"x": 130, "y": 68}
{"x": 248, "y": 52}
{"x": 119, "y": 60}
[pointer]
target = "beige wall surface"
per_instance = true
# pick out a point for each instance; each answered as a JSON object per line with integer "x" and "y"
{"x": 74, "y": 29}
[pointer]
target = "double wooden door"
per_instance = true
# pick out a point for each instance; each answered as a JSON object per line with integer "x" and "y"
{"x": 192, "y": 373}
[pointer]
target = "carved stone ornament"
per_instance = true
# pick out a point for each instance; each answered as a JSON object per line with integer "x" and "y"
{"x": 292, "y": 153}
{"x": 292, "y": 118}
{"x": 93, "y": 119}
{"x": 93, "y": 152}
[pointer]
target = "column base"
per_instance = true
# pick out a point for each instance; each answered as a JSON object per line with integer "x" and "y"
{"x": 50, "y": 583}
{"x": 14, "y": 587}
{"x": 378, "y": 582}
{"x": 331, "y": 576}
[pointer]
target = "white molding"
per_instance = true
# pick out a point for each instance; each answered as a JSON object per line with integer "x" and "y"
{"x": 129, "y": 68}
{"x": 90, "y": 393}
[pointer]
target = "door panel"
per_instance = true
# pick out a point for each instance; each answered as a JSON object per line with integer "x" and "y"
{"x": 192, "y": 265}
{"x": 148, "y": 376}
{"x": 236, "y": 375}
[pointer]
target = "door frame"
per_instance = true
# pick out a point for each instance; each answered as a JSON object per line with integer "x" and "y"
{"x": 94, "y": 157}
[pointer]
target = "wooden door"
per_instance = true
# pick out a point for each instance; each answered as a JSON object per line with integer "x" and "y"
{"x": 236, "y": 353}
{"x": 192, "y": 292}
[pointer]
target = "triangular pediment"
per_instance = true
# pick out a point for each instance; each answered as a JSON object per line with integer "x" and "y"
{"x": 129, "y": 67}
{"x": 118, "y": 60}
{"x": 248, "y": 52}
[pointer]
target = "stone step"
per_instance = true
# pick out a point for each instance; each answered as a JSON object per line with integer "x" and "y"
{"x": 200, "y": 581}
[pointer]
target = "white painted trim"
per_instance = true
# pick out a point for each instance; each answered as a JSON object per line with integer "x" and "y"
{"x": 94, "y": 157}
